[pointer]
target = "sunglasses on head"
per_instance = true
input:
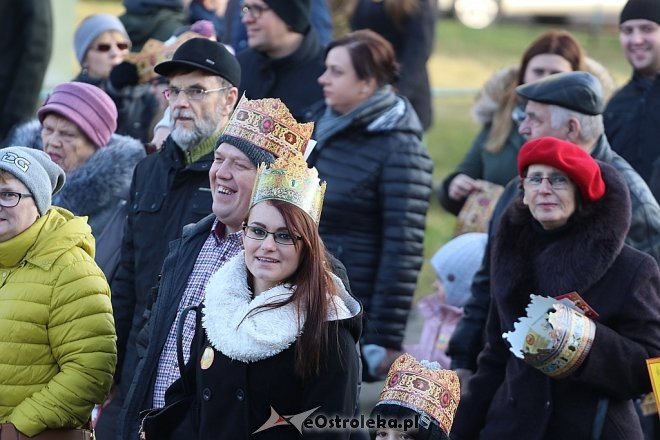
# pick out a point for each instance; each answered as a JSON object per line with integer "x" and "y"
{"x": 105, "y": 47}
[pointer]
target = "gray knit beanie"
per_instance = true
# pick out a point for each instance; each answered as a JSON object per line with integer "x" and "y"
{"x": 36, "y": 170}
{"x": 256, "y": 154}
{"x": 93, "y": 26}
{"x": 455, "y": 264}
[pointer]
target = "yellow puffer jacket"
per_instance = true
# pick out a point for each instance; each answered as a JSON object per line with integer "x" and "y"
{"x": 57, "y": 335}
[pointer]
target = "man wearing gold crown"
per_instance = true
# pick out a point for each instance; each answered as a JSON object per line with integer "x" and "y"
{"x": 258, "y": 132}
{"x": 278, "y": 329}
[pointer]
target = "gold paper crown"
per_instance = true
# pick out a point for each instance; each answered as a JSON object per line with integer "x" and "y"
{"x": 434, "y": 392}
{"x": 268, "y": 124}
{"x": 290, "y": 180}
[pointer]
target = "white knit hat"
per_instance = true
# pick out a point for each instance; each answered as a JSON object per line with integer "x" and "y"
{"x": 455, "y": 264}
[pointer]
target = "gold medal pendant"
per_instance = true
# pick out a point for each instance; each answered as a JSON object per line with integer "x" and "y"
{"x": 207, "y": 358}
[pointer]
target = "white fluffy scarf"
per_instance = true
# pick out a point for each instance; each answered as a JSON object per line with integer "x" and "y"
{"x": 263, "y": 334}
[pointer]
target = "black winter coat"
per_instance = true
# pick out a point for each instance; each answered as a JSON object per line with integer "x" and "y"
{"x": 413, "y": 44}
{"x": 253, "y": 374}
{"x": 632, "y": 123}
{"x": 293, "y": 78}
{"x": 374, "y": 213}
{"x": 509, "y": 399}
{"x": 166, "y": 194}
{"x": 151, "y": 339}
{"x": 25, "y": 50}
{"x": 643, "y": 235}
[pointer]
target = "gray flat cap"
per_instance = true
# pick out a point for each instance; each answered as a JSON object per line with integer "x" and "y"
{"x": 579, "y": 91}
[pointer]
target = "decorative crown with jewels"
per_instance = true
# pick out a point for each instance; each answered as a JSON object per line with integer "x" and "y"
{"x": 290, "y": 180}
{"x": 434, "y": 392}
{"x": 268, "y": 124}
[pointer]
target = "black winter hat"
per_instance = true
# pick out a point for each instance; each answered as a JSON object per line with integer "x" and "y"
{"x": 206, "y": 55}
{"x": 294, "y": 13}
{"x": 578, "y": 91}
{"x": 641, "y": 9}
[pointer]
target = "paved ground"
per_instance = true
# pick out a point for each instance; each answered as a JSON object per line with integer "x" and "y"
{"x": 371, "y": 391}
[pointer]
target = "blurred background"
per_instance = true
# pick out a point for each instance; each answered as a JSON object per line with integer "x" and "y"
{"x": 471, "y": 43}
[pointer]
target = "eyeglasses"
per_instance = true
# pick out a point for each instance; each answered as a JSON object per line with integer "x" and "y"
{"x": 192, "y": 93}
{"x": 105, "y": 47}
{"x": 556, "y": 181}
{"x": 281, "y": 237}
{"x": 9, "y": 199}
{"x": 255, "y": 11}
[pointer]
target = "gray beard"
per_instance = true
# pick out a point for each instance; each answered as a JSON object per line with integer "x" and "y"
{"x": 188, "y": 139}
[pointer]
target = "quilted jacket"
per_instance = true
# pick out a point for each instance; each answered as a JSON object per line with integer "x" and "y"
{"x": 57, "y": 334}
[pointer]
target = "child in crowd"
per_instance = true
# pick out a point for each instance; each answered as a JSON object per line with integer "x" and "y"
{"x": 418, "y": 402}
{"x": 455, "y": 264}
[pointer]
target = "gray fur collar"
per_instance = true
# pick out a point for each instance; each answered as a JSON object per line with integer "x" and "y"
{"x": 261, "y": 335}
{"x": 105, "y": 177}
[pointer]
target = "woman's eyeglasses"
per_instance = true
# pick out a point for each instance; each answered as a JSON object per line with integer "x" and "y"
{"x": 105, "y": 47}
{"x": 281, "y": 237}
{"x": 556, "y": 181}
{"x": 9, "y": 199}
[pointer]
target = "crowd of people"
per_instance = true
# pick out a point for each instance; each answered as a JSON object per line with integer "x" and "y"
{"x": 216, "y": 228}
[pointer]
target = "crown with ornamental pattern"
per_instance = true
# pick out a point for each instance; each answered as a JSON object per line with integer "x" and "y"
{"x": 268, "y": 124}
{"x": 290, "y": 179}
{"x": 430, "y": 392}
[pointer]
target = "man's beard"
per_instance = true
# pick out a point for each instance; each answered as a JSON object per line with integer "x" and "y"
{"x": 202, "y": 129}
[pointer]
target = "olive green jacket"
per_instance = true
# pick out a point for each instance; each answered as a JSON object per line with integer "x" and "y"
{"x": 57, "y": 334}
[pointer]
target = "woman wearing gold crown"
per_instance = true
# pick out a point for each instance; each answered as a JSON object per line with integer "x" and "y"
{"x": 278, "y": 332}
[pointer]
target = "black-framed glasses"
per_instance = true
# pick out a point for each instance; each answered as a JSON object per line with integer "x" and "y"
{"x": 556, "y": 181}
{"x": 259, "y": 233}
{"x": 105, "y": 47}
{"x": 192, "y": 93}
{"x": 9, "y": 199}
{"x": 255, "y": 11}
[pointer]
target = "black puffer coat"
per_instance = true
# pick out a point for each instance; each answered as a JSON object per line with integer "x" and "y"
{"x": 379, "y": 184}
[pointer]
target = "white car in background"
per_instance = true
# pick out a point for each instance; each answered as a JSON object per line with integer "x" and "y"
{"x": 479, "y": 14}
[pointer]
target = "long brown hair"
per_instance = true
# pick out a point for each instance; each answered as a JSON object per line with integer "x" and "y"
{"x": 554, "y": 42}
{"x": 312, "y": 283}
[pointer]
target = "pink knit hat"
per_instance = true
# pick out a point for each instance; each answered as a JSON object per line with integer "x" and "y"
{"x": 87, "y": 106}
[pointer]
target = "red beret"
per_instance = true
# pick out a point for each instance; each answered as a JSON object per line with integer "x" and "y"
{"x": 578, "y": 165}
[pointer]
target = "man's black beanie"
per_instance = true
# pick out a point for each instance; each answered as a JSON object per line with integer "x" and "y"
{"x": 641, "y": 9}
{"x": 295, "y": 13}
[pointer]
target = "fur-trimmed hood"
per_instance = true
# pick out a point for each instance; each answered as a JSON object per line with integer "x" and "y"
{"x": 233, "y": 328}
{"x": 104, "y": 178}
{"x": 493, "y": 94}
{"x": 526, "y": 260}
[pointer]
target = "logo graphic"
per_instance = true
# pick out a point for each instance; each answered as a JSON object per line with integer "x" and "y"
{"x": 22, "y": 163}
{"x": 295, "y": 420}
